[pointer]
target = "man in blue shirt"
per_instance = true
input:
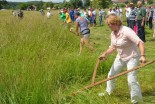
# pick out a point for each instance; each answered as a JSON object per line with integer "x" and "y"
{"x": 71, "y": 13}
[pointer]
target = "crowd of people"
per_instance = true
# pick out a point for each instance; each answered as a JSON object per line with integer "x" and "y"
{"x": 89, "y": 15}
{"x": 137, "y": 17}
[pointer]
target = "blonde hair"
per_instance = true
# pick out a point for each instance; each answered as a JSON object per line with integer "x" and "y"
{"x": 113, "y": 19}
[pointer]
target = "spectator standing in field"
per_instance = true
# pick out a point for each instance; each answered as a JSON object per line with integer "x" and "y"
{"x": 49, "y": 14}
{"x": 62, "y": 16}
{"x": 100, "y": 17}
{"x": 126, "y": 43}
{"x": 89, "y": 11}
{"x": 104, "y": 13}
{"x": 72, "y": 14}
{"x": 82, "y": 23}
{"x": 13, "y": 13}
{"x": 90, "y": 15}
{"x": 132, "y": 16}
{"x": 68, "y": 19}
{"x": 140, "y": 18}
{"x": 120, "y": 12}
{"x": 93, "y": 17}
{"x": 85, "y": 12}
{"x": 150, "y": 17}
{"x": 117, "y": 10}
{"x": 42, "y": 12}
{"x": 147, "y": 15}
{"x": 110, "y": 11}
{"x": 127, "y": 9}
{"x": 20, "y": 14}
{"x": 114, "y": 11}
{"x": 154, "y": 21}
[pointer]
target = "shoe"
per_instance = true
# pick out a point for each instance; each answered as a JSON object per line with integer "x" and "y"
{"x": 135, "y": 103}
{"x": 103, "y": 94}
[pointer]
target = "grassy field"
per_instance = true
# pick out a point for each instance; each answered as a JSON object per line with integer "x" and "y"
{"x": 39, "y": 63}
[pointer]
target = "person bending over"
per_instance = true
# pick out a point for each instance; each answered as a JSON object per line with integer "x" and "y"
{"x": 125, "y": 41}
{"x": 82, "y": 23}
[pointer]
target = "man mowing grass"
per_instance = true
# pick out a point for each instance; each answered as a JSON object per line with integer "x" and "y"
{"x": 125, "y": 41}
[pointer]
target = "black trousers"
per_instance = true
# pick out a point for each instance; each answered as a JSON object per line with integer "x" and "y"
{"x": 141, "y": 31}
{"x": 150, "y": 23}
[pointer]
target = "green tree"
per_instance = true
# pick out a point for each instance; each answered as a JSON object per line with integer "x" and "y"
{"x": 66, "y": 4}
{"x": 3, "y": 4}
{"x": 23, "y": 6}
{"x": 150, "y": 1}
{"x": 48, "y": 4}
{"x": 101, "y": 3}
{"x": 87, "y": 3}
{"x": 76, "y": 3}
{"x": 39, "y": 5}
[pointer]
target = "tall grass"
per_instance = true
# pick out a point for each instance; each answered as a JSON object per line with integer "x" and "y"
{"x": 39, "y": 63}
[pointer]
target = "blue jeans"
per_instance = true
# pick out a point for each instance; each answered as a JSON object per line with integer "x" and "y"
{"x": 100, "y": 20}
{"x": 141, "y": 31}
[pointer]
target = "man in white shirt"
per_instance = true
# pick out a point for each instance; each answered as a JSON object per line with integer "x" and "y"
{"x": 101, "y": 14}
{"x": 120, "y": 12}
{"x": 127, "y": 9}
{"x": 48, "y": 14}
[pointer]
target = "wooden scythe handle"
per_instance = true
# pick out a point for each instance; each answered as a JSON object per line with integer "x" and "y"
{"x": 105, "y": 80}
{"x": 95, "y": 70}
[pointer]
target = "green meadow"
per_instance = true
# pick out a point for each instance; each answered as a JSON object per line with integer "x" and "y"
{"x": 39, "y": 63}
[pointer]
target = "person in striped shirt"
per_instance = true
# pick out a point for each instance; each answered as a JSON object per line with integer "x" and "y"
{"x": 132, "y": 16}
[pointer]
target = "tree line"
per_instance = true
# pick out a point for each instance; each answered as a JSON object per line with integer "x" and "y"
{"x": 43, "y": 5}
{"x": 71, "y": 4}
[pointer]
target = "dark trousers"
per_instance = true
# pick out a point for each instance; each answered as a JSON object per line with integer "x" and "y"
{"x": 132, "y": 23}
{"x": 150, "y": 23}
{"x": 146, "y": 22}
{"x": 100, "y": 20}
{"x": 141, "y": 30}
{"x": 127, "y": 20}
